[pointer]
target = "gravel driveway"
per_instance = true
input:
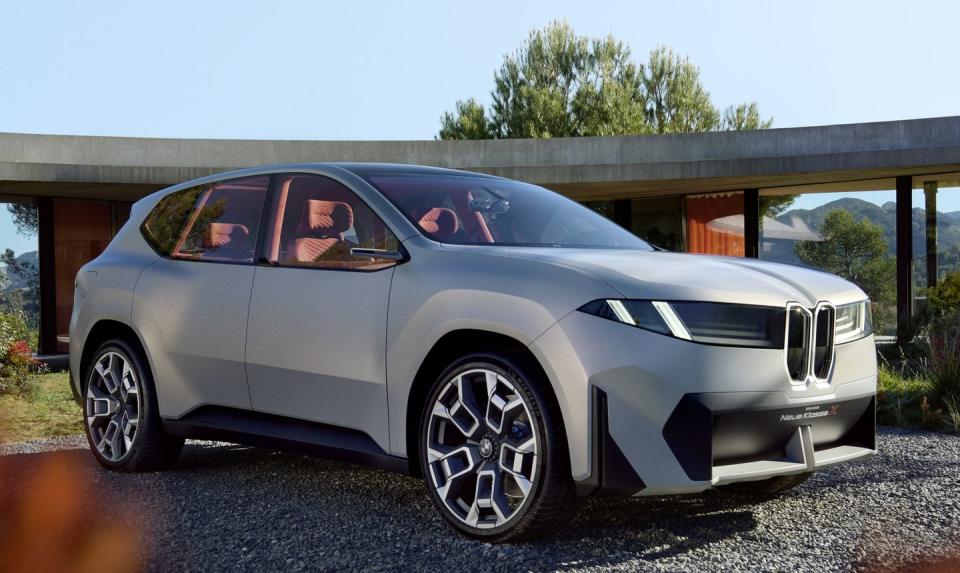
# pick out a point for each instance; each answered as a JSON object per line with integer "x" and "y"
{"x": 233, "y": 508}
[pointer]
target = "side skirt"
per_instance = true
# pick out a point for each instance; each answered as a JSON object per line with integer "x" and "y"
{"x": 279, "y": 432}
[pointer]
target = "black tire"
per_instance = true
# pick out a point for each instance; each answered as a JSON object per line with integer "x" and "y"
{"x": 766, "y": 487}
{"x": 552, "y": 501}
{"x": 151, "y": 448}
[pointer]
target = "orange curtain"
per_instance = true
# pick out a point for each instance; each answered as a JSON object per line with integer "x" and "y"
{"x": 715, "y": 224}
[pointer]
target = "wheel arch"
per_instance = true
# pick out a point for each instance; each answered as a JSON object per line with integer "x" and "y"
{"x": 447, "y": 348}
{"x": 101, "y": 332}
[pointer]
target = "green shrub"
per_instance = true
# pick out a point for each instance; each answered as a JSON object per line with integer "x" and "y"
{"x": 903, "y": 399}
{"x": 945, "y": 297}
{"x": 16, "y": 357}
{"x": 944, "y": 350}
{"x": 953, "y": 414}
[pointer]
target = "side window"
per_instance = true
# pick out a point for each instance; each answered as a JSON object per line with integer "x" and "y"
{"x": 316, "y": 223}
{"x": 217, "y": 222}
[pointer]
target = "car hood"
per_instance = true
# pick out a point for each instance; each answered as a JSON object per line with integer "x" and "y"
{"x": 674, "y": 276}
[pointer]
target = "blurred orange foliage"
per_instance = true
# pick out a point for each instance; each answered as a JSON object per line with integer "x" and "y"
{"x": 52, "y": 519}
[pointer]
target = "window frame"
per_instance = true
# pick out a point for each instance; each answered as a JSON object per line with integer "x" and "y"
{"x": 191, "y": 219}
{"x": 368, "y": 177}
{"x": 271, "y": 208}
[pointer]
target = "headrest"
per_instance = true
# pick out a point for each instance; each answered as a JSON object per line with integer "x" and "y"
{"x": 441, "y": 222}
{"x": 219, "y": 234}
{"x": 324, "y": 218}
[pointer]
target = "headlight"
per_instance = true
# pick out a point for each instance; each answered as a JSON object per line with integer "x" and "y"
{"x": 854, "y": 321}
{"x": 704, "y": 322}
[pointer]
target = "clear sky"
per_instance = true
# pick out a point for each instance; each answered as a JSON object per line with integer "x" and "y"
{"x": 10, "y": 239}
{"x": 387, "y": 70}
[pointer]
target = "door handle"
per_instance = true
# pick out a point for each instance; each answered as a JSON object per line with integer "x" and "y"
{"x": 376, "y": 254}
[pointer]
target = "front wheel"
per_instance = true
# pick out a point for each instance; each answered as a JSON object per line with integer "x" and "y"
{"x": 122, "y": 420}
{"x": 494, "y": 452}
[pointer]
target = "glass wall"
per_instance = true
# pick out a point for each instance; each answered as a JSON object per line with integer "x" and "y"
{"x": 715, "y": 224}
{"x": 936, "y": 239}
{"x": 847, "y": 233}
{"x": 19, "y": 268}
{"x": 659, "y": 221}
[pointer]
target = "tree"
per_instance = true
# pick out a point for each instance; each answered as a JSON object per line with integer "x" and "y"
{"x": 745, "y": 116}
{"x": 676, "y": 100}
{"x": 559, "y": 84}
{"x": 25, "y": 217}
{"x": 856, "y": 251}
{"x": 469, "y": 122}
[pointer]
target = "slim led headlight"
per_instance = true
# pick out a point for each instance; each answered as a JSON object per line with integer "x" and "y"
{"x": 854, "y": 321}
{"x": 704, "y": 322}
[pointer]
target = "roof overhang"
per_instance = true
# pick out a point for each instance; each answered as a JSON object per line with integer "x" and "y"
{"x": 834, "y": 157}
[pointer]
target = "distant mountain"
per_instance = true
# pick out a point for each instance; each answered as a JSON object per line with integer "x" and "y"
{"x": 11, "y": 281}
{"x": 948, "y": 226}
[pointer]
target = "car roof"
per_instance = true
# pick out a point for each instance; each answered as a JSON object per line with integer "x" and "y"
{"x": 364, "y": 169}
{"x": 359, "y": 169}
{"x": 356, "y": 169}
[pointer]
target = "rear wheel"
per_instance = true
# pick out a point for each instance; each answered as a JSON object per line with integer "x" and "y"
{"x": 493, "y": 450}
{"x": 122, "y": 421}
{"x": 769, "y": 486}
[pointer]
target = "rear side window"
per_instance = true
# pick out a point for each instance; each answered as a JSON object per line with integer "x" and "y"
{"x": 215, "y": 222}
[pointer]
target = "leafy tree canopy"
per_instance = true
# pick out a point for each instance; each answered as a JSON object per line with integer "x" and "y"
{"x": 856, "y": 251}
{"x": 559, "y": 84}
{"x": 25, "y": 217}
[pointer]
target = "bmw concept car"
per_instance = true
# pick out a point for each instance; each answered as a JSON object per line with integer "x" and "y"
{"x": 510, "y": 346}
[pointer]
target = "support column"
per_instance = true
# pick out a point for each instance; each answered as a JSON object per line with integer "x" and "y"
{"x": 930, "y": 196}
{"x": 751, "y": 223}
{"x": 904, "y": 220}
{"x": 48, "y": 296}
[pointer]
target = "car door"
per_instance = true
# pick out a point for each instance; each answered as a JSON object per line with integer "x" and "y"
{"x": 317, "y": 329}
{"x": 191, "y": 305}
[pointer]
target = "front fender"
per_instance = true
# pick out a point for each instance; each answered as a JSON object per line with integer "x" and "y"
{"x": 440, "y": 292}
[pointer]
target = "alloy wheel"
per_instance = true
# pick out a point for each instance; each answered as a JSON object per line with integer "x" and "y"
{"x": 113, "y": 406}
{"x": 482, "y": 448}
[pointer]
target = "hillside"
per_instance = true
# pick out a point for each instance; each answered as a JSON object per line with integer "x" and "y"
{"x": 948, "y": 226}
{"x": 10, "y": 281}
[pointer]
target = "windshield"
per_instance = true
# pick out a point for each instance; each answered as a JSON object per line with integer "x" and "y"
{"x": 477, "y": 210}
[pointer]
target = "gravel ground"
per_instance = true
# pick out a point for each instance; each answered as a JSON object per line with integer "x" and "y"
{"x": 242, "y": 509}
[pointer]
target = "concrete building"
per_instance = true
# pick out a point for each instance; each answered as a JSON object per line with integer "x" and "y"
{"x": 694, "y": 192}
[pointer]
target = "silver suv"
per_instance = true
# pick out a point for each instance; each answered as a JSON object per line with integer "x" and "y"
{"x": 512, "y": 347}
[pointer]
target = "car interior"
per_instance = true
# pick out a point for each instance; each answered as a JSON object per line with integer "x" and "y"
{"x": 318, "y": 220}
{"x": 224, "y": 227}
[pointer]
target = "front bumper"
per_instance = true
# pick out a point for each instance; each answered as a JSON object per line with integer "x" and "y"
{"x": 714, "y": 439}
{"x": 650, "y": 414}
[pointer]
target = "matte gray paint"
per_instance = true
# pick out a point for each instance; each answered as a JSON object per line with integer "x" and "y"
{"x": 358, "y": 371}
{"x": 316, "y": 347}
{"x": 645, "y": 374}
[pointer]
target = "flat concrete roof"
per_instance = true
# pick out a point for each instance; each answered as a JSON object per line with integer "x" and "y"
{"x": 851, "y": 156}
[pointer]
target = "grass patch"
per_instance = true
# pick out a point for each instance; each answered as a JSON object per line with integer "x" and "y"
{"x": 47, "y": 411}
{"x": 908, "y": 400}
